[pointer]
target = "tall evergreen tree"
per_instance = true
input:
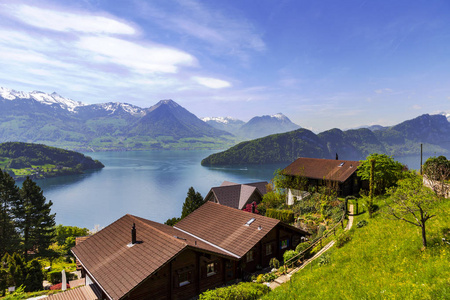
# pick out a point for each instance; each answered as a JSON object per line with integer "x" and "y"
{"x": 9, "y": 194}
{"x": 193, "y": 201}
{"x": 34, "y": 218}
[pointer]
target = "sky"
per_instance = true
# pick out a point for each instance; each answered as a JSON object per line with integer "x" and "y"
{"x": 324, "y": 64}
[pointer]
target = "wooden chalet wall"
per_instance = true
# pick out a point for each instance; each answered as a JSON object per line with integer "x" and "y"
{"x": 171, "y": 281}
{"x": 280, "y": 239}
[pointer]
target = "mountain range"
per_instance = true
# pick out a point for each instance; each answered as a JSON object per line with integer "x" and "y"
{"x": 255, "y": 128}
{"x": 433, "y": 131}
{"x": 53, "y": 120}
{"x": 57, "y": 121}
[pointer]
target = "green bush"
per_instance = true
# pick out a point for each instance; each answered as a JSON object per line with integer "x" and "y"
{"x": 343, "y": 239}
{"x": 56, "y": 276}
{"x": 288, "y": 255}
{"x": 284, "y": 215}
{"x": 241, "y": 291}
{"x": 321, "y": 230}
{"x": 301, "y": 247}
{"x": 274, "y": 263}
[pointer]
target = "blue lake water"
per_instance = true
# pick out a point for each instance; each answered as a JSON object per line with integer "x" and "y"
{"x": 149, "y": 184}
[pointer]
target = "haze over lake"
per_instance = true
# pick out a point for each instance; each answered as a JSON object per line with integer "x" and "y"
{"x": 149, "y": 184}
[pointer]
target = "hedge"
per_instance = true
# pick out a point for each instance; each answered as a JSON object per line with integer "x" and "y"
{"x": 241, "y": 291}
{"x": 284, "y": 215}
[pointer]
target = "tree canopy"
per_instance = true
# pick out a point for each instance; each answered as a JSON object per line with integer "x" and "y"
{"x": 387, "y": 171}
{"x": 410, "y": 201}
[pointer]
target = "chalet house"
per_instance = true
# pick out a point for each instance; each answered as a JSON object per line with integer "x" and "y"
{"x": 339, "y": 174}
{"x": 237, "y": 195}
{"x": 212, "y": 246}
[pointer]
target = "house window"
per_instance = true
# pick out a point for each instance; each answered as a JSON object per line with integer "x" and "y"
{"x": 250, "y": 256}
{"x": 210, "y": 269}
{"x": 269, "y": 249}
{"x": 184, "y": 278}
{"x": 284, "y": 244}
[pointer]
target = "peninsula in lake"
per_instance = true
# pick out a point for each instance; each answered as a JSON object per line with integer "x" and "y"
{"x": 37, "y": 161}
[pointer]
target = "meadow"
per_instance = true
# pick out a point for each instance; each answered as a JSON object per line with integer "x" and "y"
{"x": 383, "y": 260}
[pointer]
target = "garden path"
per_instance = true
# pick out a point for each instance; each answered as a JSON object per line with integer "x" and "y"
{"x": 285, "y": 278}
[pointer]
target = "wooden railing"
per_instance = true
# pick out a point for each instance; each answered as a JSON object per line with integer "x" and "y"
{"x": 301, "y": 255}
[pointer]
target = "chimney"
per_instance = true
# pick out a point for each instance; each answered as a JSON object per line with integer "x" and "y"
{"x": 337, "y": 157}
{"x": 133, "y": 234}
{"x": 253, "y": 207}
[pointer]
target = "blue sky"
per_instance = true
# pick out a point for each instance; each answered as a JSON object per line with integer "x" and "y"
{"x": 324, "y": 64}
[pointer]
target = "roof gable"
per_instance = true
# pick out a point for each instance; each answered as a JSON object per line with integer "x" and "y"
{"x": 237, "y": 195}
{"x": 318, "y": 168}
{"x": 107, "y": 253}
{"x": 226, "y": 227}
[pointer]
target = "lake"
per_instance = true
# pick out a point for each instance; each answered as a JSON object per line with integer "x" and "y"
{"x": 149, "y": 184}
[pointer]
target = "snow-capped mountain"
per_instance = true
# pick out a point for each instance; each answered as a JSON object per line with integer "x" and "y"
{"x": 255, "y": 128}
{"x": 54, "y": 120}
{"x": 267, "y": 125}
{"x": 44, "y": 98}
{"x": 228, "y": 124}
{"x": 223, "y": 120}
{"x": 446, "y": 114}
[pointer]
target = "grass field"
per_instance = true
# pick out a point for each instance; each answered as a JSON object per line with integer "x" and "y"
{"x": 384, "y": 260}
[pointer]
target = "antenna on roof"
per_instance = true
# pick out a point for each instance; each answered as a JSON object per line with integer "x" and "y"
{"x": 337, "y": 156}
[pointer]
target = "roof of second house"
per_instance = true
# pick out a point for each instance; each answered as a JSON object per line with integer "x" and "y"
{"x": 318, "y": 168}
{"x": 117, "y": 268}
{"x": 231, "y": 229}
{"x": 237, "y": 195}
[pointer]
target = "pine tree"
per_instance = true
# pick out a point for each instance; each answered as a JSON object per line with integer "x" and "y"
{"x": 9, "y": 194}
{"x": 193, "y": 201}
{"x": 34, "y": 218}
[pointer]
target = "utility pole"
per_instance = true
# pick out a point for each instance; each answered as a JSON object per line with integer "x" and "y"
{"x": 421, "y": 158}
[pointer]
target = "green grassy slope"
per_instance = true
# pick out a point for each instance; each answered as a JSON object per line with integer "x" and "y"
{"x": 384, "y": 260}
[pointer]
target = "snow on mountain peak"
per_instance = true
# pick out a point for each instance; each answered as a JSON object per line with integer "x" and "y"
{"x": 446, "y": 114}
{"x": 223, "y": 120}
{"x": 41, "y": 97}
{"x": 279, "y": 116}
{"x": 12, "y": 94}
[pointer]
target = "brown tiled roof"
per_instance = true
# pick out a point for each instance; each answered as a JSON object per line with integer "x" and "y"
{"x": 237, "y": 195}
{"x": 225, "y": 227}
{"x": 106, "y": 254}
{"x": 87, "y": 292}
{"x": 318, "y": 168}
{"x": 261, "y": 186}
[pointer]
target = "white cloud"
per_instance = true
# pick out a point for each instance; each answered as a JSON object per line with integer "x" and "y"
{"x": 417, "y": 107}
{"x": 140, "y": 58}
{"x": 212, "y": 82}
{"x": 67, "y": 21}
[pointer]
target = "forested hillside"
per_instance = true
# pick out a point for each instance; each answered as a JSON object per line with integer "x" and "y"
{"x": 403, "y": 139}
{"x": 39, "y": 161}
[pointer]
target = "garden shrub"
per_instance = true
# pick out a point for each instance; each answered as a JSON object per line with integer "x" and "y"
{"x": 324, "y": 259}
{"x": 343, "y": 239}
{"x": 241, "y": 291}
{"x": 56, "y": 276}
{"x": 321, "y": 230}
{"x": 288, "y": 255}
{"x": 301, "y": 247}
{"x": 284, "y": 215}
{"x": 274, "y": 263}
